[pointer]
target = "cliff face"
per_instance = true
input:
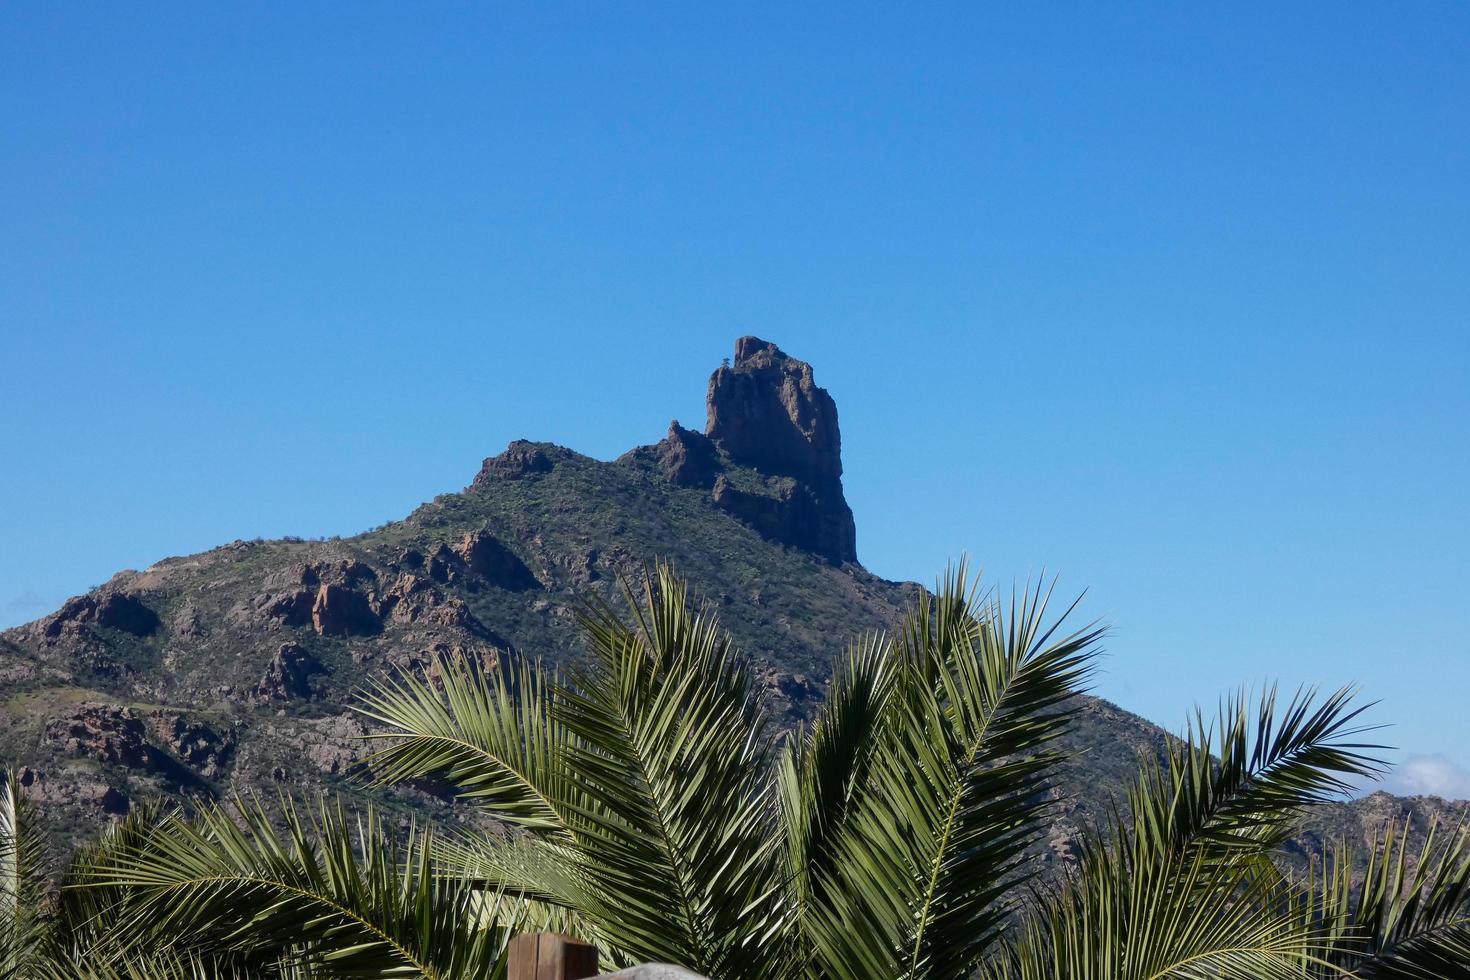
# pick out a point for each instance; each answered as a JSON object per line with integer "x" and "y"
{"x": 766, "y": 412}
{"x": 770, "y": 455}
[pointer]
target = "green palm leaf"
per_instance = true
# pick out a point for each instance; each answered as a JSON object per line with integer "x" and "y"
{"x": 494, "y": 735}
{"x": 1181, "y": 885}
{"x": 924, "y": 865}
{"x": 22, "y": 880}
{"x": 343, "y": 901}
{"x": 1408, "y": 919}
{"x": 671, "y": 745}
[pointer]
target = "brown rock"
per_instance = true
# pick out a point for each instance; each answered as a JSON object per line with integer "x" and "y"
{"x": 339, "y": 611}
{"x": 205, "y": 750}
{"x": 766, "y": 412}
{"x": 288, "y": 608}
{"x": 289, "y": 673}
{"x": 186, "y": 622}
{"x": 520, "y": 459}
{"x": 688, "y": 458}
{"x": 107, "y": 733}
{"x": 484, "y": 554}
{"x": 104, "y": 798}
{"x": 109, "y": 610}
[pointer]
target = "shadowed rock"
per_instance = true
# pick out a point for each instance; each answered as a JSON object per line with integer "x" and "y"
{"x": 521, "y": 458}
{"x": 339, "y": 611}
{"x": 485, "y": 555}
{"x": 766, "y": 412}
{"x": 113, "y": 610}
{"x": 289, "y": 673}
{"x": 687, "y": 458}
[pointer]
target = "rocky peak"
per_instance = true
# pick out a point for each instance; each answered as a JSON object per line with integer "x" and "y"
{"x": 766, "y": 411}
{"x": 687, "y": 458}
{"x": 521, "y": 458}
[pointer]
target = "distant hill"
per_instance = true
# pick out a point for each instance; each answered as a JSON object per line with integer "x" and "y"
{"x": 231, "y": 670}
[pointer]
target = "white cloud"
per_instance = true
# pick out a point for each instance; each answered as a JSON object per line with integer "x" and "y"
{"x": 1428, "y": 775}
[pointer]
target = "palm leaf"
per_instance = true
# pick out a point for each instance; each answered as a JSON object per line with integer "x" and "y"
{"x": 826, "y": 768}
{"x": 671, "y": 745}
{"x": 344, "y": 901}
{"x": 492, "y": 734}
{"x": 924, "y": 865}
{"x": 1181, "y": 885}
{"x": 22, "y": 879}
{"x": 1408, "y": 919}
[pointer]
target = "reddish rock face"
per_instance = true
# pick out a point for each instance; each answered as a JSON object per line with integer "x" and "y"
{"x": 687, "y": 458}
{"x": 288, "y": 675}
{"x": 485, "y": 555}
{"x": 114, "y": 610}
{"x": 338, "y": 611}
{"x": 766, "y": 412}
{"x": 520, "y": 459}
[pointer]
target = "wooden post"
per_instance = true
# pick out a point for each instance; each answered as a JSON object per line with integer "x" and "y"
{"x": 551, "y": 956}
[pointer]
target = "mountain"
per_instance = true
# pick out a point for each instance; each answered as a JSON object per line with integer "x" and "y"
{"x": 232, "y": 670}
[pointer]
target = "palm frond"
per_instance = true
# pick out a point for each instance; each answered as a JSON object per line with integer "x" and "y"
{"x": 925, "y": 864}
{"x": 824, "y": 769}
{"x": 672, "y": 749}
{"x": 1245, "y": 787}
{"x": 22, "y": 879}
{"x": 1181, "y": 885}
{"x": 1409, "y": 917}
{"x": 342, "y": 900}
{"x": 492, "y": 734}
{"x": 529, "y": 879}
{"x": 163, "y": 964}
{"x": 1183, "y": 916}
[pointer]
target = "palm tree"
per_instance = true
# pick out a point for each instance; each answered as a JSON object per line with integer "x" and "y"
{"x": 223, "y": 896}
{"x": 651, "y": 808}
{"x": 654, "y": 814}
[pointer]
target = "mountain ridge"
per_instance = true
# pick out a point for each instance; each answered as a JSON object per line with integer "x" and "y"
{"x": 231, "y": 670}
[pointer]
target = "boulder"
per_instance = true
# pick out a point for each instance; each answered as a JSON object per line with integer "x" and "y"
{"x": 520, "y": 459}
{"x": 339, "y": 611}
{"x": 485, "y": 555}
{"x": 289, "y": 673}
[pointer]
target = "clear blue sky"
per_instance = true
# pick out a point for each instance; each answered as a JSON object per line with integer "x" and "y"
{"x": 1173, "y": 299}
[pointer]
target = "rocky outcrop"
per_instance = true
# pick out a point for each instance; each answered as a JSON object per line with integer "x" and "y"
{"x": 293, "y": 595}
{"x": 791, "y": 513}
{"x": 205, "y": 750}
{"x": 687, "y": 458}
{"x": 486, "y": 556}
{"x": 766, "y": 412}
{"x": 340, "y": 611}
{"x": 107, "y": 733}
{"x": 520, "y": 459}
{"x": 289, "y": 674}
{"x": 108, "y": 610}
{"x": 163, "y": 742}
{"x": 767, "y": 415}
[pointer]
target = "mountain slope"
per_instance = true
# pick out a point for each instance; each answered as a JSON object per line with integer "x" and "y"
{"x": 231, "y": 670}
